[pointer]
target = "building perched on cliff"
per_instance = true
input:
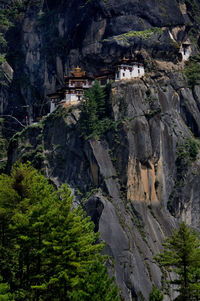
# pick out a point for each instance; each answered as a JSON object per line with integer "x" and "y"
{"x": 78, "y": 82}
{"x": 128, "y": 69}
{"x": 73, "y": 90}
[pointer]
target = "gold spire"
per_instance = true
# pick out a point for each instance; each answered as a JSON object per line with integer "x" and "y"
{"x": 77, "y": 72}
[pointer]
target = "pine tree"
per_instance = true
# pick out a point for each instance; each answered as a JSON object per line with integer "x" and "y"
{"x": 47, "y": 248}
{"x": 182, "y": 255}
{"x": 93, "y": 111}
{"x": 89, "y": 116}
{"x": 99, "y": 95}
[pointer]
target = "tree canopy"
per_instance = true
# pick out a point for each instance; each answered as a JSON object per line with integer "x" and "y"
{"x": 48, "y": 249}
{"x": 182, "y": 255}
{"x": 96, "y": 112}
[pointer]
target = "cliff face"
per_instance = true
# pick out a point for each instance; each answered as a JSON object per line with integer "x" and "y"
{"x": 51, "y": 37}
{"x": 139, "y": 180}
{"x": 130, "y": 177}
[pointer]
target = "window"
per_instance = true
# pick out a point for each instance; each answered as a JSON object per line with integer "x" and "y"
{"x": 123, "y": 74}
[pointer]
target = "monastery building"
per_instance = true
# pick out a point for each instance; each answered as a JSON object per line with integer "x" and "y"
{"x": 78, "y": 82}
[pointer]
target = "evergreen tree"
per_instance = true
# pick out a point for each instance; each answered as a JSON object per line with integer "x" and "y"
{"x": 108, "y": 100}
{"x": 89, "y": 116}
{"x": 99, "y": 95}
{"x": 48, "y": 250}
{"x": 182, "y": 255}
{"x": 93, "y": 111}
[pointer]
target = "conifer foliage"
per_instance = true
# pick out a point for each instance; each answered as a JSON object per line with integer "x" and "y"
{"x": 95, "y": 112}
{"x": 48, "y": 250}
{"x": 182, "y": 255}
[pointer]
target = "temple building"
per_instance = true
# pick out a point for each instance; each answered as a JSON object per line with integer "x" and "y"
{"x": 73, "y": 91}
{"x": 127, "y": 69}
{"x": 78, "y": 82}
{"x": 105, "y": 77}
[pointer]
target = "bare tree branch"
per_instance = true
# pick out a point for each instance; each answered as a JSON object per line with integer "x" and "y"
{"x": 10, "y": 116}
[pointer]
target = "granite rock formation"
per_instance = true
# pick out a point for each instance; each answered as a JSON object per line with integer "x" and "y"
{"x": 129, "y": 176}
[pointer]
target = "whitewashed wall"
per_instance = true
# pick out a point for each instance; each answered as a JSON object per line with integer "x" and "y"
{"x": 70, "y": 97}
{"x": 52, "y": 107}
{"x": 136, "y": 71}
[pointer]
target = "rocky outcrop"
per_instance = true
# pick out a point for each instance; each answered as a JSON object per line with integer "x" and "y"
{"x": 55, "y": 36}
{"x": 128, "y": 176}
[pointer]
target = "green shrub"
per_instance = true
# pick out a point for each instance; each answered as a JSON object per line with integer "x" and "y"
{"x": 192, "y": 70}
{"x": 95, "y": 117}
{"x": 188, "y": 150}
{"x": 155, "y": 294}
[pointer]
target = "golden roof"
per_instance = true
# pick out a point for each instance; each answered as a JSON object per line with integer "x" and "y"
{"x": 78, "y": 72}
{"x": 125, "y": 59}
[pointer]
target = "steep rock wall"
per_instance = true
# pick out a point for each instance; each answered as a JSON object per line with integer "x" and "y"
{"x": 131, "y": 174}
{"x": 54, "y": 36}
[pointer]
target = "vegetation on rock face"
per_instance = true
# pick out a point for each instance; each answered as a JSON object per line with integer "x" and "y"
{"x": 193, "y": 7}
{"x": 4, "y": 26}
{"x": 155, "y": 294}
{"x": 186, "y": 154}
{"x": 48, "y": 250}
{"x": 192, "y": 70}
{"x": 143, "y": 34}
{"x": 95, "y": 116}
{"x": 3, "y": 148}
{"x": 11, "y": 14}
{"x": 182, "y": 255}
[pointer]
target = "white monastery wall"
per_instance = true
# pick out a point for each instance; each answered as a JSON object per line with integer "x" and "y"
{"x": 70, "y": 97}
{"x": 129, "y": 72}
{"x": 52, "y": 107}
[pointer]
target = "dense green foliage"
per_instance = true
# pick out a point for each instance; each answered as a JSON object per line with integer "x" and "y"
{"x": 192, "y": 71}
{"x": 186, "y": 154}
{"x": 11, "y": 16}
{"x": 182, "y": 255}
{"x": 96, "y": 117}
{"x": 188, "y": 150}
{"x": 155, "y": 294}
{"x": 5, "y": 294}
{"x": 48, "y": 249}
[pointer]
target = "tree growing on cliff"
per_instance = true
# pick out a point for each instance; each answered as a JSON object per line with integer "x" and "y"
{"x": 48, "y": 250}
{"x": 182, "y": 255}
{"x": 155, "y": 294}
{"x": 95, "y": 111}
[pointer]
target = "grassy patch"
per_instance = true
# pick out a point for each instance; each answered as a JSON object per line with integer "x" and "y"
{"x": 143, "y": 34}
